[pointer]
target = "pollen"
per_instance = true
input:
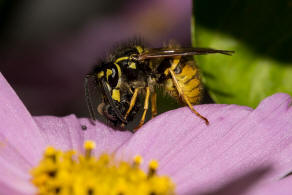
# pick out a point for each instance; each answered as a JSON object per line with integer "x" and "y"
{"x": 73, "y": 173}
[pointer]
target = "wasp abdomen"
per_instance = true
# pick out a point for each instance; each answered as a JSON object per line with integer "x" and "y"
{"x": 189, "y": 81}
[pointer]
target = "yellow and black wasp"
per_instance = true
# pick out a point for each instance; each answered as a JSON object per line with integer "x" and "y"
{"x": 114, "y": 88}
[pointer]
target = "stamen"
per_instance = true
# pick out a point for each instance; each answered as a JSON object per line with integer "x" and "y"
{"x": 50, "y": 151}
{"x": 137, "y": 161}
{"x": 153, "y": 165}
{"x": 88, "y": 146}
{"x": 71, "y": 173}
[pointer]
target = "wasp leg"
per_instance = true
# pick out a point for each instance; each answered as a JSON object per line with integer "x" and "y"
{"x": 146, "y": 104}
{"x": 153, "y": 104}
{"x": 132, "y": 103}
{"x": 181, "y": 93}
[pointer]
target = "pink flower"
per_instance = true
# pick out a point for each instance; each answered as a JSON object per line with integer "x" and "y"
{"x": 242, "y": 151}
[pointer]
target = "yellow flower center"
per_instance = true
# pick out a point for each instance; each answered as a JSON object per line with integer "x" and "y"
{"x": 69, "y": 173}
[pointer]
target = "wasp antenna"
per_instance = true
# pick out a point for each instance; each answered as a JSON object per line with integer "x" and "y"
{"x": 88, "y": 99}
{"x": 226, "y": 52}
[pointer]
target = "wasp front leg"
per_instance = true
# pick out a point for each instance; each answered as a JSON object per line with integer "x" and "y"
{"x": 146, "y": 106}
{"x": 132, "y": 103}
{"x": 154, "y": 104}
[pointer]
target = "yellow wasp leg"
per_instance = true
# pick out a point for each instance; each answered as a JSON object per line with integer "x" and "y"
{"x": 146, "y": 104}
{"x": 154, "y": 104}
{"x": 132, "y": 103}
{"x": 181, "y": 93}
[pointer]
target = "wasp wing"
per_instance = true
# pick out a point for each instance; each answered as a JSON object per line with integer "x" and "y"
{"x": 93, "y": 96}
{"x": 167, "y": 52}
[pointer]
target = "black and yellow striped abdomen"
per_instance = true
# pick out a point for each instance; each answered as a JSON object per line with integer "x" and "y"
{"x": 188, "y": 78}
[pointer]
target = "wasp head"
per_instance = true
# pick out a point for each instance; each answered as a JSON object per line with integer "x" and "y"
{"x": 106, "y": 98}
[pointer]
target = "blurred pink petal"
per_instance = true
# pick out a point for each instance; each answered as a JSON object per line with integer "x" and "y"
{"x": 4, "y": 189}
{"x": 237, "y": 142}
{"x": 13, "y": 180}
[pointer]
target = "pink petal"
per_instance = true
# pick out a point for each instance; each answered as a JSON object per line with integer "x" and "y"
{"x": 61, "y": 132}
{"x": 238, "y": 143}
{"x": 20, "y": 190}
{"x": 66, "y": 133}
{"x": 281, "y": 187}
{"x": 19, "y": 136}
{"x": 13, "y": 180}
{"x": 106, "y": 139}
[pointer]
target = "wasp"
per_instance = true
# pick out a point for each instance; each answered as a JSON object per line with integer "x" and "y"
{"x": 114, "y": 88}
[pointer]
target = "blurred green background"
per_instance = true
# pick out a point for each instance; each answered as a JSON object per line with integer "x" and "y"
{"x": 260, "y": 33}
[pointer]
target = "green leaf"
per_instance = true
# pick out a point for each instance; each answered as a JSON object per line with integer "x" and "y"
{"x": 260, "y": 34}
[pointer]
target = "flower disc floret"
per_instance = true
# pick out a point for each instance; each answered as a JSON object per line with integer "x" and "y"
{"x": 77, "y": 174}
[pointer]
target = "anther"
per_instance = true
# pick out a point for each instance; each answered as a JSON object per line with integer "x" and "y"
{"x": 88, "y": 146}
{"x": 137, "y": 161}
{"x": 153, "y": 165}
{"x": 50, "y": 153}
